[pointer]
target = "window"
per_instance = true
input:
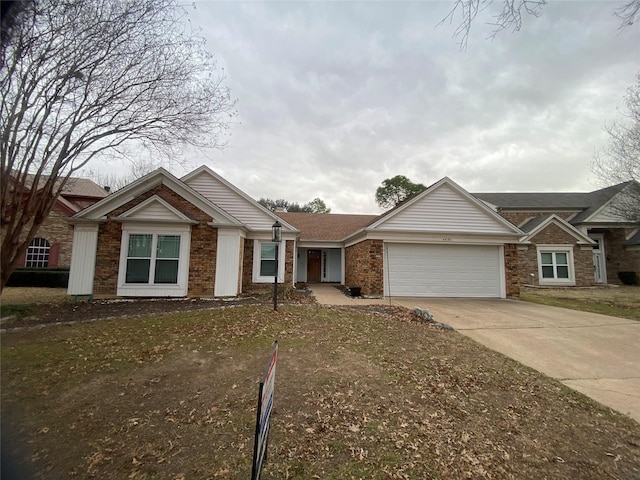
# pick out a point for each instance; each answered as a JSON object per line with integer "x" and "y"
{"x": 154, "y": 257}
{"x": 38, "y": 253}
{"x": 555, "y": 265}
{"x": 267, "y": 259}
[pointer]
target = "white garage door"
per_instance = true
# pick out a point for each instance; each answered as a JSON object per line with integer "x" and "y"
{"x": 443, "y": 270}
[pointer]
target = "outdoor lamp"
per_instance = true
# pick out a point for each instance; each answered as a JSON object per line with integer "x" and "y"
{"x": 276, "y": 237}
{"x": 276, "y": 232}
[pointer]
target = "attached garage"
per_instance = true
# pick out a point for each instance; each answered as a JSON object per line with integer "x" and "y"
{"x": 424, "y": 270}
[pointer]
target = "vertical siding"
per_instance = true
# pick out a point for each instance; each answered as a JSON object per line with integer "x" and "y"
{"x": 83, "y": 259}
{"x": 446, "y": 210}
{"x": 227, "y": 264}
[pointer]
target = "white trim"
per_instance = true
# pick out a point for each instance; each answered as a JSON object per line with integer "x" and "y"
{"x": 129, "y": 215}
{"x": 583, "y": 239}
{"x": 257, "y": 255}
{"x": 150, "y": 290}
{"x": 568, "y": 249}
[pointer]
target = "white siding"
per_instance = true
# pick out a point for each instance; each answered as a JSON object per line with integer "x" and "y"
{"x": 418, "y": 270}
{"x": 227, "y": 263}
{"x": 301, "y": 267}
{"x": 154, "y": 211}
{"x": 83, "y": 259}
{"x": 232, "y": 203}
{"x": 444, "y": 210}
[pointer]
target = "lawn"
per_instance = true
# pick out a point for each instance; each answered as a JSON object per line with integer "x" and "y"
{"x": 360, "y": 393}
{"x": 622, "y": 301}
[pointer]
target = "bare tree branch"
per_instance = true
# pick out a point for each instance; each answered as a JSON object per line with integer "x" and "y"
{"x": 619, "y": 161}
{"x": 83, "y": 77}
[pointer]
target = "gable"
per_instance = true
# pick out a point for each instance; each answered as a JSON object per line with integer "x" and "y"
{"x": 160, "y": 178}
{"x": 446, "y": 207}
{"x": 231, "y": 200}
{"x": 552, "y": 229}
{"x": 154, "y": 209}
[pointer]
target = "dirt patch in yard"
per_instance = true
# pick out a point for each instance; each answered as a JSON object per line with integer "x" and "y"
{"x": 360, "y": 393}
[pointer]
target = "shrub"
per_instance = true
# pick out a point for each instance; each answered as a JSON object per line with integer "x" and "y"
{"x": 628, "y": 278}
{"x": 39, "y": 277}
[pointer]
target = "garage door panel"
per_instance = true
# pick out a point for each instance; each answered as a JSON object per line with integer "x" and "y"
{"x": 443, "y": 270}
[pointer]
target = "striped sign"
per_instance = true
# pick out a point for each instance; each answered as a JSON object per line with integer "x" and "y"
{"x": 265, "y": 405}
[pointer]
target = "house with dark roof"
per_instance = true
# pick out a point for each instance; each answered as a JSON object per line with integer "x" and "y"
{"x": 202, "y": 236}
{"x": 572, "y": 239}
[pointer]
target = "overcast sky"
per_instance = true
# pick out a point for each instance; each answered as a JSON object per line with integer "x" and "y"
{"x": 335, "y": 97}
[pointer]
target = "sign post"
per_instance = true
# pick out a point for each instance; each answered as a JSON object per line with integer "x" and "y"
{"x": 263, "y": 415}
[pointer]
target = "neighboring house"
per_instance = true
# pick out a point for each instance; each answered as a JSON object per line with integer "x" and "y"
{"x": 572, "y": 239}
{"x": 201, "y": 236}
{"x": 51, "y": 246}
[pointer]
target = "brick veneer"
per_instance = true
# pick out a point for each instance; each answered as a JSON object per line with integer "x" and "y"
{"x": 364, "y": 267}
{"x": 202, "y": 261}
{"x": 511, "y": 270}
{"x": 518, "y": 218}
{"x": 554, "y": 235}
{"x": 620, "y": 258}
{"x": 247, "y": 267}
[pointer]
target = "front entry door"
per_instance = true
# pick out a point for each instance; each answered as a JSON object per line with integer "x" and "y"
{"x": 314, "y": 264}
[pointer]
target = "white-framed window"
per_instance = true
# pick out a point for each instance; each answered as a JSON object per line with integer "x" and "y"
{"x": 264, "y": 261}
{"x": 37, "y": 253}
{"x": 555, "y": 265}
{"x": 152, "y": 258}
{"x": 154, "y": 261}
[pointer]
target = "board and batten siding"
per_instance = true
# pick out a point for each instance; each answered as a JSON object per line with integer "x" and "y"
{"x": 231, "y": 202}
{"x": 83, "y": 259}
{"x": 227, "y": 263}
{"x": 444, "y": 210}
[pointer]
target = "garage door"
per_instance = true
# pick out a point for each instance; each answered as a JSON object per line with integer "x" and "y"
{"x": 443, "y": 270}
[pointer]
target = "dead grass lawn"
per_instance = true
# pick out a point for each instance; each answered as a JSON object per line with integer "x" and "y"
{"x": 366, "y": 393}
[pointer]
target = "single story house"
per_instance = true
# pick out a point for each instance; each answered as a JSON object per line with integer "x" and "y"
{"x": 202, "y": 236}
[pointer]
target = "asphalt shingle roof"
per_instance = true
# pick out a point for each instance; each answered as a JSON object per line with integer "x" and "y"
{"x": 326, "y": 226}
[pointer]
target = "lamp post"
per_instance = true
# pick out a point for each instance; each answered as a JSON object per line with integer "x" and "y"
{"x": 276, "y": 237}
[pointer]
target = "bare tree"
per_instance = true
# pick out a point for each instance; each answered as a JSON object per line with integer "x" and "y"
{"x": 78, "y": 79}
{"x": 512, "y": 14}
{"x": 619, "y": 161}
{"x": 139, "y": 166}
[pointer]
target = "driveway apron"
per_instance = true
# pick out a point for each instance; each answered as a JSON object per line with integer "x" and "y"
{"x": 597, "y": 355}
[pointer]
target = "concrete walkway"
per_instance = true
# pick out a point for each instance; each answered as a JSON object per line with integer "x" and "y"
{"x": 597, "y": 355}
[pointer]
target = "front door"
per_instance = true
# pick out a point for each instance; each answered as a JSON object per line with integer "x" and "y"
{"x": 314, "y": 266}
{"x": 599, "y": 265}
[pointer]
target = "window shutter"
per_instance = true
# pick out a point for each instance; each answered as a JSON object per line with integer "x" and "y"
{"x": 54, "y": 254}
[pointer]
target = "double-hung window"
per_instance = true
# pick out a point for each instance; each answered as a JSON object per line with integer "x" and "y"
{"x": 264, "y": 261}
{"x": 555, "y": 265}
{"x": 152, "y": 259}
{"x": 267, "y": 259}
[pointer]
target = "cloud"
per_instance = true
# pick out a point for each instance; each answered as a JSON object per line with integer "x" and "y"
{"x": 335, "y": 97}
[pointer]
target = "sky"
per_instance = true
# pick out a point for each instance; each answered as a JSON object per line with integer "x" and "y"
{"x": 335, "y": 97}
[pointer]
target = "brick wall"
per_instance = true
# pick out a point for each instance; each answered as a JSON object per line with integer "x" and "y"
{"x": 511, "y": 271}
{"x": 519, "y": 217}
{"x": 203, "y": 245}
{"x": 364, "y": 267}
{"x": 247, "y": 267}
{"x": 554, "y": 235}
{"x": 620, "y": 258}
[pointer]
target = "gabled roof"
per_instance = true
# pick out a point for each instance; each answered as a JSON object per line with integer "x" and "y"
{"x": 326, "y": 226}
{"x": 584, "y": 203}
{"x": 538, "y": 224}
{"x": 445, "y": 207}
{"x": 232, "y": 199}
{"x": 157, "y": 177}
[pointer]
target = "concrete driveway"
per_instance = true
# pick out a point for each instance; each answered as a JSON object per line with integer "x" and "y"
{"x": 596, "y": 355}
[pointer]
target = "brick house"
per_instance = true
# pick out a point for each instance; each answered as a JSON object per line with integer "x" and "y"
{"x": 201, "y": 236}
{"x": 572, "y": 239}
{"x": 51, "y": 246}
